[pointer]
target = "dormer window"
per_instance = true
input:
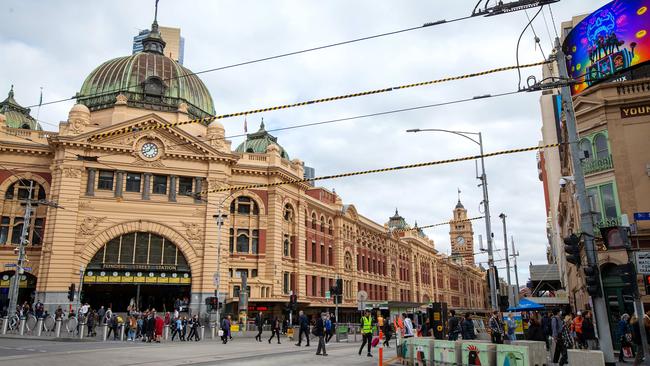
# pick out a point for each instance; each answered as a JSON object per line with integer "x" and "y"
{"x": 154, "y": 86}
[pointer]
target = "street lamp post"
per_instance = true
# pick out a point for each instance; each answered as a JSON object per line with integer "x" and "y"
{"x": 486, "y": 205}
{"x": 217, "y": 281}
{"x": 505, "y": 246}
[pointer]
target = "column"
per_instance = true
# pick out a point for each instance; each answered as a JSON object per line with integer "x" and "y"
{"x": 172, "y": 188}
{"x": 119, "y": 180}
{"x": 90, "y": 184}
{"x": 146, "y": 188}
{"x": 197, "y": 189}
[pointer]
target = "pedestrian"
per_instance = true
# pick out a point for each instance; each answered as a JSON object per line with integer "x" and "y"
{"x": 276, "y": 325}
{"x": 577, "y": 329}
{"x": 453, "y": 326}
{"x": 589, "y": 332}
{"x": 303, "y": 324}
{"x": 108, "y": 314}
{"x": 194, "y": 329}
{"x": 225, "y": 328}
{"x": 319, "y": 331}
{"x": 564, "y": 342}
{"x": 112, "y": 327}
{"x": 184, "y": 324}
{"x": 467, "y": 327}
{"x": 408, "y": 326}
{"x": 535, "y": 331}
{"x": 151, "y": 326}
{"x": 366, "y": 332}
{"x": 176, "y": 328}
{"x": 259, "y": 323}
{"x": 230, "y": 330}
{"x": 58, "y": 313}
{"x": 546, "y": 328}
{"x": 90, "y": 323}
{"x": 636, "y": 339}
{"x": 556, "y": 329}
{"x": 328, "y": 328}
{"x": 624, "y": 335}
{"x": 512, "y": 327}
{"x": 496, "y": 328}
{"x": 388, "y": 333}
{"x": 132, "y": 328}
{"x": 159, "y": 324}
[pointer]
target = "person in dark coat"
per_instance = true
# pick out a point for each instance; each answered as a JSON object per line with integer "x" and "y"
{"x": 388, "y": 332}
{"x": 319, "y": 331}
{"x": 259, "y": 323}
{"x": 453, "y": 326}
{"x": 303, "y": 322}
{"x": 588, "y": 331}
{"x": 276, "y": 325}
{"x": 547, "y": 329}
{"x": 151, "y": 327}
{"x": 467, "y": 327}
{"x": 535, "y": 331}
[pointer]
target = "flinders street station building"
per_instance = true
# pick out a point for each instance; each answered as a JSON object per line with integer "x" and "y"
{"x": 118, "y": 213}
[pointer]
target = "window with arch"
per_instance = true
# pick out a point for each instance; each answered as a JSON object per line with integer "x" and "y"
{"x": 12, "y": 218}
{"x": 347, "y": 261}
{"x": 244, "y": 234}
{"x": 585, "y": 146}
{"x": 286, "y": 250}
{"x": 244, "y": 205}
{"x": 141, "y": 248}
{"x": 600, "y": 146}
{"x": 246, "y": 241}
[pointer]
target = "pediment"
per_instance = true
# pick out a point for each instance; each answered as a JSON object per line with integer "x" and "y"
{"x": 173, "y": 140}
{"x": 583, "y": 104}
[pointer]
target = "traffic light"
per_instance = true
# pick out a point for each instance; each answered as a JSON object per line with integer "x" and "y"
{"x": 293, "y": 302}
{"x": 592, "y": 280}
{"x": 339, "y": 286}
{"x": 71, "y": 291}
{"x": 616, "y": 237}
{"x": 628, "y": 276}
{"x": 647, "y": 285}
{"x": 572, "y": 249}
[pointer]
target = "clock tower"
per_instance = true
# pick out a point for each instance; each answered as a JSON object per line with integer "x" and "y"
{"x": 461, "y": 234}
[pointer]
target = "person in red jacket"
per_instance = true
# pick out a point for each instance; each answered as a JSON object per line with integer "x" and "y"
{"x": 159, "y": 322}
{"x": 577, "y": 328}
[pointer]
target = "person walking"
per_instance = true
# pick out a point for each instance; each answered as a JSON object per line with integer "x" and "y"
{"x": 303, "y": 323}
{"x": 624, "y": 335}
{"x": 496, "y": 328}
{"x": 546, "y": 328}
{"x": 112, "y": 327}
{"x": 408, "y": 326}
{"x": 276, "y": 325}
{"x": 319, "y": 331}
{"x": 512, "y": 327}
{"x": 453, "y": 326}
{"x": 328, "y": 328}
{"x": 159, "y": 323}
{"x": 577, "y": 329}
{"x": 90, "y": 322}
{"x": 101, "y": 313}
{"x": 636, "y": 339}
{"x": 564, "y": 342}
{"x": 589, "y": 332}
{"x": 467, "y": 327}
{"x": 259, "y": 323}
{"x": 225, "y": 328}
{"x": 556, "y": 329}
{"x": 366, "y": 332}
{"x": 176, "y": 328}
{"x": 535, "y": 331}
{"x": 388, "y": 333}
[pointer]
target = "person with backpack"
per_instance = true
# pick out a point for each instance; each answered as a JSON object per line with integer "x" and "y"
{"x": 366, "y": 332}
{"x": 328, "y": 328}
{"x": 388, "y": 333}
{"x": 225, "y": 329}
{"x": 276, "y": 325}
{"x": 453, "y": 326}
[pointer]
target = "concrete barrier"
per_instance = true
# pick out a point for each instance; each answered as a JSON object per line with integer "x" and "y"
{"x": 579, "y": 357}
{"x": 537, "y": 353}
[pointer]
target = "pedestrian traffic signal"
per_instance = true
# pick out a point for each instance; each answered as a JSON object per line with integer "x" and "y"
{"x": 339, "y": 286}
{"x": 628, "y": 276}
{"x": 71, "y": 291}
{"x": 616, "y": 237}
{"x": 572, "y": 249}
{"x": 592, "y": 279}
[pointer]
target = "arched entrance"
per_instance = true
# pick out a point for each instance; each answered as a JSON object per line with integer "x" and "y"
{"x": 619, "y": 301}
{"x": 26, "y": 288}
{"x": 138, "y": 268}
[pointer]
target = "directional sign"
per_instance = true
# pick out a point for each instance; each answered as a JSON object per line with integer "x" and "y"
{"x": 361, "y": 306}
{"x": 216, "y": 278}
{"x": 643, "y": 262}
{"x": 221, "y": 296}
{"x": 327, "y": 295}
{"x": 29, "y": 269}
{"x": 642, "y": 216}
{"x": 10, "y": 265}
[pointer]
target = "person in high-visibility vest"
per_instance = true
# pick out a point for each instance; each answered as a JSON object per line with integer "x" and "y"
{"x": 366, "y": 332}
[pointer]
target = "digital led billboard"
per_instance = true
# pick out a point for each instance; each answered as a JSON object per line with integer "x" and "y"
{"x": 609, "y": 41}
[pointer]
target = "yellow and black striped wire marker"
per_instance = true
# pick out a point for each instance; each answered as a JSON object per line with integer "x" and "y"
{"x": 382, "y": 170}
{"x": 438, "y": 224}
{"x": 208, "y": 119}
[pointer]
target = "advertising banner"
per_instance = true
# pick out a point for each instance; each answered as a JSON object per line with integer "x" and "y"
{"x": 508, "y": 355}
{"x": 444, "y": 352}
{"x": 478, "y": 353}
{"x": 607, "y": 42}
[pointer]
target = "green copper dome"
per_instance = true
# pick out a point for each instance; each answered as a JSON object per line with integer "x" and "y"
{"x": 149, "y": 80}
{"x": 258, "y": 142}
{"x": 16, "y": 115}
{"x": 397, "y": 222}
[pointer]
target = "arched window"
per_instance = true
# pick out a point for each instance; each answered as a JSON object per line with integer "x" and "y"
{"x": 244, "y": 206}
{"x": 242, "y": 241}
{"x": 313, "y": 221}
{"x": 287, "y": 247}
{"x": 139, "y": 248}
{"x": 245, "y": 242}
{"x": 12, "y": 213}
{"x": 585, "y": 147}
{"x": 600, "y": 144}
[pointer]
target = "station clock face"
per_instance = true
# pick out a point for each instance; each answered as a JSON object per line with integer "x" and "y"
{"x": 460, "y": 240}
{"x": 149, "y": 150}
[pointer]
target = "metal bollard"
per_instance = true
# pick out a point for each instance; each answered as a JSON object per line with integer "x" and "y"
{"x": 121, "y": 332}
{"x": 166, "y": 332}
{"x": 22, "y": 325}
{"x": 82, "y": 330}
{"x": 355, "y": 333}
{"x": 39, "y": 327}
{"x": 5, "y": 323}
{"x": 212, "y": 328}
{"x": 202, "y": 332}
{"x": 104, "y": 333}
{"x": 57, "y": 328}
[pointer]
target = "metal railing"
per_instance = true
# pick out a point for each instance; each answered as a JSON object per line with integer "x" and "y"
{"x": 597, "y": 165}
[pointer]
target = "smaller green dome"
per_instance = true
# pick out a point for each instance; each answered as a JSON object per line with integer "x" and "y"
{"x": 397, "y": 222}
{"x": 258, "y": 142}
{"x": 16, "y": 115}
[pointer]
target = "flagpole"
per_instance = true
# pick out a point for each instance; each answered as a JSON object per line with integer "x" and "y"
{"x": 40, "y": 103}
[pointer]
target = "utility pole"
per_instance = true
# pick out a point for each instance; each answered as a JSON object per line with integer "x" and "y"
{"x": 219, "y": 217}
{"x": 19, "y": 270}
{"x": 505, "y": 247}
{"x": 515, "y": 254}
{"x": 586, "y": 223}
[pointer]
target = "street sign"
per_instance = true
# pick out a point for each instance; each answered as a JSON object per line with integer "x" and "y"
{"x": 221, "y": 296}
{"x": 10, "y": 265}
{"x": 216, "y": 279}
{"x": 361, "y": 306}
{"x": 27, "y": 269}
{"x": 327, "y": 295}
{"x": 643, "y": 262}
{"x": 642, "y": 216}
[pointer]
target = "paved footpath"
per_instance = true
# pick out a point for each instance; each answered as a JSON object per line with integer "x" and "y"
{"x": 18, "y": 352}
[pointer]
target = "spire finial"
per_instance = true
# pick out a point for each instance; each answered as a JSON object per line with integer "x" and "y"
{"x": 11, "y": 91}
{"x": 396, "y": 213}
{"x": 458, "y": 194}
{"x": 262, "y": 124}
{"x": 155, "y": 14}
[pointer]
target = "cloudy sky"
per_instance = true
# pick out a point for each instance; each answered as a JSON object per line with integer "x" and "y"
{"x": 56, "y": 44}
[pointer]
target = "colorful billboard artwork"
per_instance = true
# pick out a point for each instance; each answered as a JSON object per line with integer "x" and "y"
{"x": 607, "y": 42}
{"x": 478, "y": 354}
{"x": 444, "y": 352}
{"x": 508, "y": 355}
